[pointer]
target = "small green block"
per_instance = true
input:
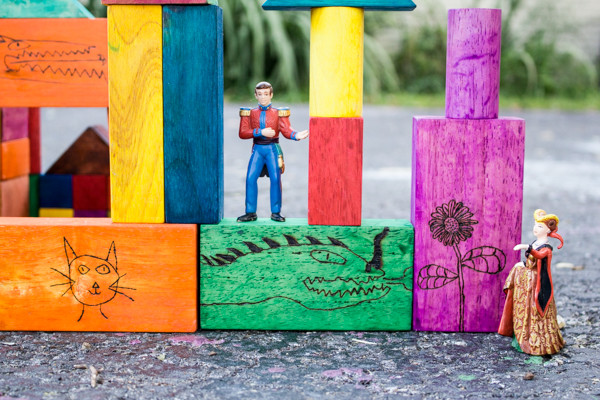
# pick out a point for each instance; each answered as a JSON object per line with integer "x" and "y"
{"x": 34, "y": 195}
{"x": 292, "y": 276}
{"x": 43, "y": 9}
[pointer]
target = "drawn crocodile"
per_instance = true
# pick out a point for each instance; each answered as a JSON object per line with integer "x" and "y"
{"x": 332, "y": 275}
{"x": 50, "y": 61}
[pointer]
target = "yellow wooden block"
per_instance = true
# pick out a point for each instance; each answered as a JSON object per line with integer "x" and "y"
{"x": 56, "y": 212}
{"x": 136, "y": 113}
{"x": 336, "y": 62}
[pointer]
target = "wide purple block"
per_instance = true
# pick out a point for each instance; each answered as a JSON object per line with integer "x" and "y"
{"x": 90, "y": 213}
{"x": 473, "y": 63}
{"x": 466, "y": 205}
{"x": 15, "y": 123}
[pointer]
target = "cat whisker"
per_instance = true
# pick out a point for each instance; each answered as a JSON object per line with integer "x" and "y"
{"x": 67, "y": 291}
{"x": 123, "y": 294}
{"x": 60, "y": 284}
{"x": 130, "y": 288}
{"x": 68, "y": 277}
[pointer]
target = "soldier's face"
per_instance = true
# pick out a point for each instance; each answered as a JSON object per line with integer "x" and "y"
{"x": 263, "y": 96}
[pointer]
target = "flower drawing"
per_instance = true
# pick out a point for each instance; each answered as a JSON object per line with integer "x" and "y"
{"x": 451, "y": 223}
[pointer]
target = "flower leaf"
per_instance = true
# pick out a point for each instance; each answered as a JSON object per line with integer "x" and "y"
{"x": 486, "y": 259}
{"x": 433, "y": 276}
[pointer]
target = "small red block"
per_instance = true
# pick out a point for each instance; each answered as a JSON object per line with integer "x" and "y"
{"x": 90, "y": 192}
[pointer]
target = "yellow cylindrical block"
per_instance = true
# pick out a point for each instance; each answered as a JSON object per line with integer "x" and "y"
{"x": 336, "y": 62}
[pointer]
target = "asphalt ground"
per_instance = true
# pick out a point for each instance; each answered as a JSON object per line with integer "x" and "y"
{"x": 562, "y": 175}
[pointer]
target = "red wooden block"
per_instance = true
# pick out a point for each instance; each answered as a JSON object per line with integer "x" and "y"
{"x": 335, "y": 171}
{"x": 15, "y": 158}
{"x": 15, "y": 123}
{"x": 35, "y": 156}
{"x": 90, "y": 192}
{"x": 14, "y": 197}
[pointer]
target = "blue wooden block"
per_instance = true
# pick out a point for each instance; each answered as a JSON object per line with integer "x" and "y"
{"x": 371, "y": 5}
{"x": 193, "y": 113}
{"x": 56, "y": 191}
{"x": 43, "y": 9}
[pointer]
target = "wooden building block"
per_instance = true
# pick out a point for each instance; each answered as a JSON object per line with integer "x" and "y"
{"x": 56, "y": 191}
{"x": 372, "y": 5}
{"x": 72, "y": 68}
{"x": 89, "y": 154}
{"x": 268, "y": 275}
{"x": 136, "y": 113}
{"x": 90, "y": 192}
{"x": 335, "y": 171}
{"x": 56, "y": 213}
{"x": 164, "y": 2}
{"x": 467, "y": 198}
{"x": 14, "y": 197}
{"x": 43, "y": 9}
{"x": 69, "y": 279}
{"x": 473, "y": 63}
{"x": 336, "y": 62}
{"x": 15, "y": 123}
{"x": 34, "y": 195}
{"x": 15, "y": 158}
{"x": 90, "y": 213}
{"x": 35, "y": 153}
{"x": 193, "y": 112}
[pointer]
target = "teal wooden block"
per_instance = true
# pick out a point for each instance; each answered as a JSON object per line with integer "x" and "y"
{"x": 193, "y": 113}
{"x": 371, "y": 5}
{"x": 43, "y": 9}
{"x": 291, "y": 276}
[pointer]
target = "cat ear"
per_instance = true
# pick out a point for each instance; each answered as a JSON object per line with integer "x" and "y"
{"x": 112, "y": 255}
{"x": 69, "y": 252}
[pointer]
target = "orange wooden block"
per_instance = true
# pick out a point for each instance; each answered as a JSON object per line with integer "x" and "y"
{"x": 92, "y": 275}
{"x": 15, "y": 158}
{"x": 14, "y": 197}
{"x": 53, "y": 63}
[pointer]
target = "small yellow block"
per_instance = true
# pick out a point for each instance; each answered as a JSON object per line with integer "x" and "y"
{"x": 336, "y": 62}
{"x": 56, "y": 212}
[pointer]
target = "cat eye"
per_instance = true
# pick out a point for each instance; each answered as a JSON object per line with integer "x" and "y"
{"x": 103, "y": 269}
{"x": 83, "y": 269}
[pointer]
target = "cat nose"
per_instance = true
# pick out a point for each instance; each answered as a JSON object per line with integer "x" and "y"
{"x": 95, "y": 285}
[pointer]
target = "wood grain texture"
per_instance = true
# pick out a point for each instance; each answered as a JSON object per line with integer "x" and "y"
{"x": 35, "y": 146}
{"x": 56, "y": 191}
{"x": 193, "y": 113}
{"x": 136, "y": 113}
{"x": 269, "y": 275}
{"x": 154, "y": 282}
{"x": 473, "y": 63}
{"x": 465, "y": 248}
{"x": 56, "y": 212}
{"x": 15, "y": 123}
{"x": 14, "y": 197}
{"x": 72, "y": 71}
{"x": 43, "y": 9}
{"x": 372, "y": 5}
{"x": 15, "y": 158}
{"x": 336, "y": 62}
{"x": 335, "y": 171}
{"x": 164, "y": 2}
{"x": 90, "y": 192}
{"x": 34, "y": 195}
{"x": 88, "y": 155}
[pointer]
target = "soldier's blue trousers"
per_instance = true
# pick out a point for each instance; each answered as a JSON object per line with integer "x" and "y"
{"x": 263, "y": 154}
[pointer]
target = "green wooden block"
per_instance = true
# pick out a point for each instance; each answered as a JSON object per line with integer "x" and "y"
{"x": 34, "y": 195}
{"x": 43, "y": 9}
{"x": 292, "y": 276}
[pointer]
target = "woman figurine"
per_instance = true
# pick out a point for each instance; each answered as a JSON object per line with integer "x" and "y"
{"x": 530, "y": 312}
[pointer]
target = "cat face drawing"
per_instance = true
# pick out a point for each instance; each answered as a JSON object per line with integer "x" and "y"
{"x": 93, "y": 281}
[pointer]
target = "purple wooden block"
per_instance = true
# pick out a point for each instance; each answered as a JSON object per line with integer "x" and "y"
{"x": 467, "y": 196}
{"x": 473, "y": 63}
{"x": 15, "y": 123}
{"x": 89, "y": 213}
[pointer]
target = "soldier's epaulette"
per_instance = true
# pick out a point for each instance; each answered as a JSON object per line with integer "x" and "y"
{"x": 284, "y": 111}
{"x": 245, "y": 111}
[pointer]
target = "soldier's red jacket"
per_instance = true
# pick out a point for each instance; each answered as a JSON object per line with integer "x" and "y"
{"x": 253, "y": 120}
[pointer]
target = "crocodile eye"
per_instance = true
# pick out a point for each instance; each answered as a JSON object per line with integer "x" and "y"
{"x": 17, "y": 45}
{"x": 327, "y": 257}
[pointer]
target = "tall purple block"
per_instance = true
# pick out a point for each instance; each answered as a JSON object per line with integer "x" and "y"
{"x": 473, "y": 63}
{"x": 15, "y": 123}
{"x": 467, "y": 188}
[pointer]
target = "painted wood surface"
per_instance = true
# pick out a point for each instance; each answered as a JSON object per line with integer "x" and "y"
{"x": 56, "y": 191}
{"x": 72, "y": 71}
{"x": 89, "y": 154}
{"x": 379, "y": 5}
{"x": 43, "y": 9}
{"x": 336, "y": 62}
{"x": 92, "y": 275}
{"x": 15, "y": 123}
{"x": 467, "y": 199}
{"x": 164, "y": 2}
{"x": 15, "y": 158}
{"x": 269, "y": 275}
{"x": 335, "y": 171}
{"x": 136, "y": 113}
{"x": 90, "y": 192}
{"x": 56, "y": 212}
{"x": 35, "y": 146}
{"x": 14, "y": 197}
{"x": 473, "y": 63}
{"x": 193, "y": 113}
{"x": 34, "y": 195}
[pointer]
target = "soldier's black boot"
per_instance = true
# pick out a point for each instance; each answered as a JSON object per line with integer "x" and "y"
{"x": 248, "y": 217}
{"x": 277, "y": 217}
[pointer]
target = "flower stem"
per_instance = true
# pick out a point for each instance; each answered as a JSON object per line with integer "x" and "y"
{"x": 461, "y": 288}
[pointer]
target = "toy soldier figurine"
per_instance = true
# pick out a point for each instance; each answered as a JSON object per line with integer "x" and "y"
{"x": 263, "y": 124}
